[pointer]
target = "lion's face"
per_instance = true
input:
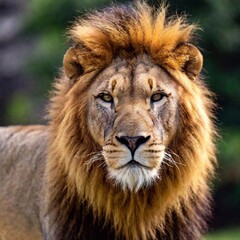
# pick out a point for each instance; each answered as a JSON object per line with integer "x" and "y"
{"x": 133, "y": 117}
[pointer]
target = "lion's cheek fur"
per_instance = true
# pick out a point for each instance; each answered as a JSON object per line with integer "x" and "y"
{"x": 100, "y": 122}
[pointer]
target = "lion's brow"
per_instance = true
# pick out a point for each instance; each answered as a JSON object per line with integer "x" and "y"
{"x": 113, "y": 84}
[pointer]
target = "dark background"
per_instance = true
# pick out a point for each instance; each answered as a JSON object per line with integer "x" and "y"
{"x": 33, "y": 42}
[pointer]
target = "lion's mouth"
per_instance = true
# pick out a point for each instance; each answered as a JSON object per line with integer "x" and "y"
{"x": 134, "y": 164}
{"x": 133, "y": 175}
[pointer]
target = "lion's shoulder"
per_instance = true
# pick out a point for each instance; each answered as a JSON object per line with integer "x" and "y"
{"x": 21, "y": 146}
{"x": 18, "y": 142}
{"x": 23, "y": 151}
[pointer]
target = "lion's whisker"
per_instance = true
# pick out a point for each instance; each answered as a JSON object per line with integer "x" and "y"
{"x": 164, "y": 162}
{"x": 92, "y": 154}
{"x": 168, "y": 157}
{"x": 103, "y": 163}
{"x": 97, "y": 157}
{"x": 173, "y": 153}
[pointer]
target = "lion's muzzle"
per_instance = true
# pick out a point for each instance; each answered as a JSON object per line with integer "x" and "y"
{"x": 132, "y": 143}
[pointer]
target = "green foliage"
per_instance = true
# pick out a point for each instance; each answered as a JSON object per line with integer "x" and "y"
{"x": 19, "y": 108}
{"x": 229, "y": 149}
{"x": 229, "y": 234}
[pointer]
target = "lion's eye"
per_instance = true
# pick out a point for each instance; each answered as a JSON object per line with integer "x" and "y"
{"x": 106, "y": 97}
{"x": 157, "y": 97}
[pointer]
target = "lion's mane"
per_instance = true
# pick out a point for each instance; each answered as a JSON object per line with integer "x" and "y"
{"x": 177, "y": 205}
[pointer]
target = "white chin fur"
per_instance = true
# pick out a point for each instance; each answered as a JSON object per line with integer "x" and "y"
{"x": 133, "y": 178}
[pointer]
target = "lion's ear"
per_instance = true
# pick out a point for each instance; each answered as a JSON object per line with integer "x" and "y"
{"x": 72, "y": 66}
{"x": 192, "y": 60}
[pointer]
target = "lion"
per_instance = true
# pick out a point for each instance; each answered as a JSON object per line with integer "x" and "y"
{"x": 129, "y": 150}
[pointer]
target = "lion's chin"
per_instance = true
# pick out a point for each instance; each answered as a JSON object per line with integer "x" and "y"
{"x": 133, "y": 178}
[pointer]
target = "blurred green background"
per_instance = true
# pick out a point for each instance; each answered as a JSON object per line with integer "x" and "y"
{"x": 32, "y": 45}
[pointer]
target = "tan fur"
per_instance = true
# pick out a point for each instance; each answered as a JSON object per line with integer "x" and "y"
{"x": 127, "y": 44}
{"x": 23, "y": 155}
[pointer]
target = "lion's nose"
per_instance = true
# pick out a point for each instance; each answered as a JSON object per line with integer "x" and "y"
{"x": 132, "y": 142}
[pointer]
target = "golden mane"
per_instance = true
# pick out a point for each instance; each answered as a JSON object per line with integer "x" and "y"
{"x": 79, "y": 193}
{"x": 132, "y": 30}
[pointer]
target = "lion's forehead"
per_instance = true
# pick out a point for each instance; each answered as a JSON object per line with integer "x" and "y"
{"x": 126, "y": 78}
